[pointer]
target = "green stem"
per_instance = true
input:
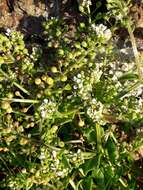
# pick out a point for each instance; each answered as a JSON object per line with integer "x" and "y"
{"x": 15, "y": 83}
{"x": 21, "y": 88}
{"x": 135, "y": 51}
{"x": 130, "y": 89}
{"x": 20, "y": 100}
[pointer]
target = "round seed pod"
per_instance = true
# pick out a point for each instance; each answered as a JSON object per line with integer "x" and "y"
{"x": 81, "y": 123}
{"x": 50, "y": 81}
{"x": 54, "y": 69}
{"x": 37, "y": 81}
{"x": 5, "y": 105}
{"x": 64, "y": 78}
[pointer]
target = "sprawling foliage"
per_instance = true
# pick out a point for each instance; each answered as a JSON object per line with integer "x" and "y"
{"x": 69, "y": 107}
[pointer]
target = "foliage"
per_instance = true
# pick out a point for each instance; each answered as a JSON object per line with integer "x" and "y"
{"x": 65, "y": 106}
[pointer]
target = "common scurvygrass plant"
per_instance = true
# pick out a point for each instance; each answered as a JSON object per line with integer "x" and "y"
{"x": 61, "y": 110}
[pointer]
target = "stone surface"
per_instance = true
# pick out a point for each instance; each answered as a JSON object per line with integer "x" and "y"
{"x": 23, "y": 14}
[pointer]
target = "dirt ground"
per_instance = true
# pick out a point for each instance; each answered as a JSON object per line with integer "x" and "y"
{"x": 27, "y": 16}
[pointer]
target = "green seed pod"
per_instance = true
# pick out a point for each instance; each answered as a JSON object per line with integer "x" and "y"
{"x": 82, "y": 25}
{"x": 84, "y": 44}
{"x": 54, "y": 128}
{"x": 58, "y": 33}
{"x": 81, "y": 123}
{"x": 54, "y": 69}
{"x": 66, "y": 39}
{"x": 50, "y": 81}
{"x": 25, "y": 51}
{"x": 1, "y": 60}
{"x": 47, "y": 92}
{"x": 64, "y": 78}
{"x": 10, "y": 95}
{"x": 67, "y": 87}
{"x": 77, "y": 53}
{"x": 17, "y": 93}
{"x": 70, "y": 56}
{"x": 61, "y": 144}
{"x": 39, "y": 95}
{"x": 44, "y": 77}
{"x": 9, "y": 109}
{"x": 46, "y": 26}
{"x": 61, "y": 52}
{"x": 23, "y": 141}
{"x": 50, "y": 44}
{"x": 77, "y": 45}
{"x": 5, "y": 105}
{"x": 37, "y": 81}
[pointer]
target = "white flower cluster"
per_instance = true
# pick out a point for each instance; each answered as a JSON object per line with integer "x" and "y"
{"x": 95, "y": 111}
{"x": 102, "y": 31}
{"x": 84, "y": 6}
{"x": 84, "y": 82}
{"x": 57, "y": 166}
{"x": 82, "y": 88}
{"x": 42, "y": 156}
{"x": 48, "y": 108}
{"x": 85, "y": 2}
{"x": 77, "y": 158}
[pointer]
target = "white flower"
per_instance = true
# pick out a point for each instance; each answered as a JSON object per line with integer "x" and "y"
{"x": 60, "y": 173}
{"x": 75, "y": 87}
{"x": 46, "y": 101}
{"x": 23, "y": 170}
{"x": 94, "y": 101}
{"x": 43, "y": 113}
{"x": 78, "y": 151}
{"x": 114, "y": 78}
{"x": 8, "y": 31}
{"x": 102, "y": 31}
{"x": 54, "y": 153}
{"x": 42, "y": 156}
{"x": 78, "y": 81}
{"x": 57, "y": 162}
{"x": 79, "y": 75}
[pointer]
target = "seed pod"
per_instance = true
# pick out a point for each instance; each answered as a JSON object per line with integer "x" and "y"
{"x": 54, "y": 69}
{"x": 81, "y": 123}
{"x": 5, "y": 105}
{"x": 50, "y": 81}
{"x": 84, "y": 44}
{"x": 1, "y": 60}
{"x": 61, "y": 52}
{"x": 64, "y": 78}
{"x": 37, "y": 81}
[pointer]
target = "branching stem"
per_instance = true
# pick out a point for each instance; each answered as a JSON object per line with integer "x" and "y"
{"x": 135, "y": 51}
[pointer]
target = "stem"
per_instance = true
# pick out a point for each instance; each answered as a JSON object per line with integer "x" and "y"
{"x": 15, "y": 83}
{"x": 74, "y": 141}
{"x": 21, "y": 88}
{"x": 130, "y": 89}
{"x": 21, "y": 100}
{"x": 135, "y": 51}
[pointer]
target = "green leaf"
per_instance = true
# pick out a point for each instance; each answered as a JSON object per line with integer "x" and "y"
{"x": 99, "y": 134}
{"x": 112, "y": 150}
{"x": 90, "y": 134}
{"x": 98, "y": 175}
{"x": 90, "y": 165}
{"x": 128, "y": 76}
{"x": 65, "y": 161}
{"x": 88, "y": 183}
